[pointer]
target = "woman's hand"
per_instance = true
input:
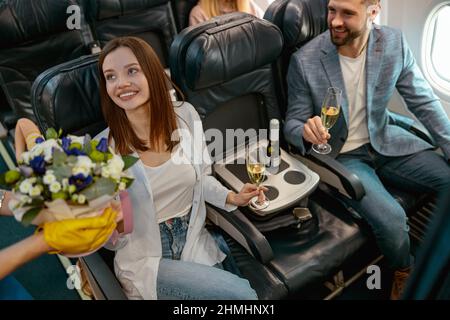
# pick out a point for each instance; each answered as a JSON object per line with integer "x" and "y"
{"x": 247, "y": 192}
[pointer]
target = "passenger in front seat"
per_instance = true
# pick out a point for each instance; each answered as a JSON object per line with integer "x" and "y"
{"x": 208, "y": 9}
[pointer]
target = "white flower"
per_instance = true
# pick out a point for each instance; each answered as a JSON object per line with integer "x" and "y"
{"x": 76, "y": 139}
{"x": 25, "y": 157}
{"x": 25, "y": 186}
{"x": 49, "y": 178}
{"x": 37, "y": 150}
{"x": 84, "y": 171}
{"x": 122, "y": 186}
{"x": 84, "y": 162}
{"x": 35, "y": 191}
{"x": 47, "y": 148}
{"x": 81, "y": 199}
{"x": 115, "y": 166}
{"x": 105, "y": 172}
{"x": 55, "y": 187}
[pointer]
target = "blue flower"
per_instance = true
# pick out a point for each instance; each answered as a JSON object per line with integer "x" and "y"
{"x": 66, "y": 142}
{"x": 80, "y": 181}
{"x": 39, "y": 140}
{"x": 102, "y": 145}
{"x": 75, "y": 152}
{"x": 38, "y": 164}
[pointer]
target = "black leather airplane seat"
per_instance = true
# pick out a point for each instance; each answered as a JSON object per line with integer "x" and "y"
{"x": 151, "y": 20}
{"x": 181, "y": 11}
{"x": 35, "y": 35}
{"x": 225, "y": 69}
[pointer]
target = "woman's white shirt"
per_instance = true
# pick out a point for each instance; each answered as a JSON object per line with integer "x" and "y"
{"x": 138, "y": 253}
{"x": 172, "y": 185}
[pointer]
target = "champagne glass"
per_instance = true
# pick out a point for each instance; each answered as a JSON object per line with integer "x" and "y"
{"x": 256, "y": 160}
{"x": 331, "y": 108}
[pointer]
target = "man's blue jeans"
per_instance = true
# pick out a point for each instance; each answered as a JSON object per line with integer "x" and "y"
{"x": 423, "y": 172}
{"x": 182, "y": 280}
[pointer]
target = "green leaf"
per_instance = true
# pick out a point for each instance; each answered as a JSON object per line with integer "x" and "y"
{"x": 60, "y": 132}
{"x": 129, "y": 161}
{"x": 59, "y": 157}
{"x": 100, "y": 187}
{"x": 127, "y": 181}
{"x": 29, "y": 216}
{"x": 72, "y": 160}
{"x": 51, "y": 134}
{"x": 61, "y": 172}
{"x": 87, "y": 148}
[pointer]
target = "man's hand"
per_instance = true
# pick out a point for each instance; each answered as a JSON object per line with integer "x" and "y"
{"x": 74, "y": 236}
{"x": 247, "y": 192}
{"x": 315, "y": 132}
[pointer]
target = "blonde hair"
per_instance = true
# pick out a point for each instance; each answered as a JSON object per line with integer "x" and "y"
{"x": 212, "y": 7}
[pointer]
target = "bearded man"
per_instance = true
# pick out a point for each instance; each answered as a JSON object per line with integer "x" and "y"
{"x": 367, "y": 62}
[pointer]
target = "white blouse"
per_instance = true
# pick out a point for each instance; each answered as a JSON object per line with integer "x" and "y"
{"x": 138, "y": 254}
{"x": 173, "y": 187}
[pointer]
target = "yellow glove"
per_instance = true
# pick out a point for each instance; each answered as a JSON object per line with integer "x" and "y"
{"x": 74, "y": 236}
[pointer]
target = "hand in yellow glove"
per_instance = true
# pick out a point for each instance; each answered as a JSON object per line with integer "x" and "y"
{"x": 74, "y": 236}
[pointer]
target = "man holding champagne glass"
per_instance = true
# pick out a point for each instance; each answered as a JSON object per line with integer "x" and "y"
{"x": 368, "y": 62}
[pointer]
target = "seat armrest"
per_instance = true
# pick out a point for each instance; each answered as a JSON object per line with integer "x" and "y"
{"x": 102, "y": 280}
{"x": 422, "y": 134}
{"x": 237, "y": 226}
{"x": 3, "y": 131}
{"x": 410, "y": 125}
{"x": 333, "y": 173}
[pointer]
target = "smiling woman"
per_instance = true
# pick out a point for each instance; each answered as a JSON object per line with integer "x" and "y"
{"x": 124, "y": 84}
{"x": 170, "y": 253}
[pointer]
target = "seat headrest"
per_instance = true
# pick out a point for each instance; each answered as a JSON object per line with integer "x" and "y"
{"x": 230, "y": 48}
{"x": 181, "y": 11}
{"x": 302, "y": 19}
{"x": 105, "y": 9}
{"x": 67, "y": 97}
{"x": 23, "y": 21}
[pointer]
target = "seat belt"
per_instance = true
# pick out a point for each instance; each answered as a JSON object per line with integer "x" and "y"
{"x": 86, "y": 34}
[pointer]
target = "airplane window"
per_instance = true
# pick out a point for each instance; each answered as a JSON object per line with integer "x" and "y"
{"x": 441, "y": 46}
{"x": 436, "y": 48}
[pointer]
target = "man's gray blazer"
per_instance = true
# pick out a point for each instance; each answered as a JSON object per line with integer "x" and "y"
{"x": 389, "y": 65}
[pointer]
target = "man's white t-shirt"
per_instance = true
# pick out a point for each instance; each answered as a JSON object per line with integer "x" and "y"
{"x": 353, "y": 72}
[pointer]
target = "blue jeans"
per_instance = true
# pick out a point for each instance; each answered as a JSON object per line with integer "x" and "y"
{"x": 182, "y": 280}
{"x": 422, "y": 172}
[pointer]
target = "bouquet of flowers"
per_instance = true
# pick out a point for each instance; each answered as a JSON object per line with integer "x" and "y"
{"x": 66, "y": 178}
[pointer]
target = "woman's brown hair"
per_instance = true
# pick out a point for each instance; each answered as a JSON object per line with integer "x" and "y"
{"x": 162, "y": 115}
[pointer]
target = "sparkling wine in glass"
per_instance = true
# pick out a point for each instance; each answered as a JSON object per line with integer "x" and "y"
{"x": 255, "y": 160}
{"x": 331, "y": 108}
